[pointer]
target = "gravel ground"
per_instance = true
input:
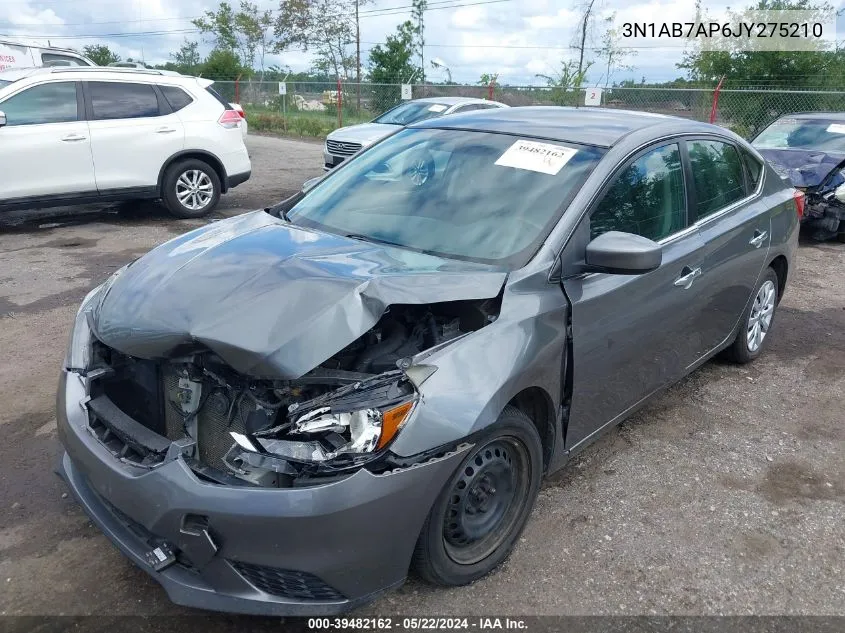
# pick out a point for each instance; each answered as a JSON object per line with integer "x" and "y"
{"x": 724, "y": 496}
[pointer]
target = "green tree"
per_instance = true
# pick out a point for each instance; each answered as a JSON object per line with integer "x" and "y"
{"x": 222, "y": 65}
{"x": 187, "y": 59}
{"x": 611, "y": 52}
{"x": 566, "y": 83}
{"x": 418, "y": 9}
{"x": 100, "y": 54}
{"x": 325, "y": 26}
{"x": 246, "y": 31}
{"x": 748, "y": 112}
{"x": 392, "y": 63}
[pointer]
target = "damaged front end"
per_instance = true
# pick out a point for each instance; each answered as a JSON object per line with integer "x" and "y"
{"x": 824, "y": 211}
{"x": 237, "y": 429}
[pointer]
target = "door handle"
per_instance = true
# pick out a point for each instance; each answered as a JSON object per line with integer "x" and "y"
{"x": 73, "y": 138}
{"x": 759, "y": 238}
{"x": 688, "y": 276}
{"x": 165, "y": 130}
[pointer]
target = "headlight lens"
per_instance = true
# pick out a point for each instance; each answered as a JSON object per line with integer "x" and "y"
{"x": 350, "y": 433}
{"x": 78, "y": 357}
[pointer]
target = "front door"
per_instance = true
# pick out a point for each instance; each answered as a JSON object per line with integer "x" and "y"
{"x": 633, "y": 334}
{"x": 45, "y": 147}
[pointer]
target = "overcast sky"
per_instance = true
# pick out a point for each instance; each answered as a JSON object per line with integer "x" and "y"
{"x": 516, "y": 38}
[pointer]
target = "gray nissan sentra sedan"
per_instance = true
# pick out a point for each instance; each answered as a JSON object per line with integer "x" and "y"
{"x": 284, "y": 411}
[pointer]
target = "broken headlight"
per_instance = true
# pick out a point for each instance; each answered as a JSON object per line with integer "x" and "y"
{"x": 78, "y": 356}
{"x": 322, "y": 435}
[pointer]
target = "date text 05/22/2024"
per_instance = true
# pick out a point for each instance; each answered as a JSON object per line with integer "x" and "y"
{"x": 481, "y": 623}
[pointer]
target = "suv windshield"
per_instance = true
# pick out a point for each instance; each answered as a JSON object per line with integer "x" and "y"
{"x": 817, "y": 134}
{"x": 490, "y": 198}
{"x": 412, "y": 112}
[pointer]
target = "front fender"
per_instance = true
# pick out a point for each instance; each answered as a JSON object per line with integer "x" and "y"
{"x": 479, "y": 374}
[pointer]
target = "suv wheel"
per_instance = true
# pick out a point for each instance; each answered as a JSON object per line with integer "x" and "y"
{"x": 191, "y": 189}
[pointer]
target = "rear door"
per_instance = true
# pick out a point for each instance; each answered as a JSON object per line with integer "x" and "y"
{"x": 134, "y": 131}
{"x": 45, "y": 149}
{"x": 734, "y": 223}
{"x": 633, "y": 334}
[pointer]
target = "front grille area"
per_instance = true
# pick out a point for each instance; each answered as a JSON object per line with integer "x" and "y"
{"x": 342, "y": 148}
{"x": 286, "y": 583}
{"x": 219, "y": 414}
{"x": 216, "y": 419}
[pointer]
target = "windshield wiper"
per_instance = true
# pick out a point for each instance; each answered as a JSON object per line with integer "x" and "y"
{"x": 375, "y": 240}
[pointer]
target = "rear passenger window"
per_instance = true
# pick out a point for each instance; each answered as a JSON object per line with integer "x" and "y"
{"x": 646, "y": 199}
{"x": 118, "y": 100}
{"x": 717, "y": 173}
{"x": 176, "y": 97}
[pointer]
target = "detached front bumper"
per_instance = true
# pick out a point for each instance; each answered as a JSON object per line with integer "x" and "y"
{"x": 318, "y": 550}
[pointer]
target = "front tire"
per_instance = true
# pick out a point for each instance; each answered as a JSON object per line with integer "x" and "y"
{"x": 191, "y": 189}
{"x": 756, "y": 321}
{"x": 482, "y": 510}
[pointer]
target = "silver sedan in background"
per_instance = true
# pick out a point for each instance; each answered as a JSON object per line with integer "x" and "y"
{"x": 346, "y": 141}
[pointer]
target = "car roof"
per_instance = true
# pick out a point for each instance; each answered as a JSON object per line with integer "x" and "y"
{"x": 602, "y": 127}
{"x": 453, "y": 100}
{"x": 58, "y": 49}
{"x": 87, "y": 72}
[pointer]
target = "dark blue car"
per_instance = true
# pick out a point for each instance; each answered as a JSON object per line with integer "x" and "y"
{"x": 809, "y": 149}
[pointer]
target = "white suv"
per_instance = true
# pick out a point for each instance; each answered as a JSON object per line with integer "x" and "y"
{"x": 82, "y": 135}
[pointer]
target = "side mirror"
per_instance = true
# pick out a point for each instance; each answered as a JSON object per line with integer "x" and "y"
{"x": 622, "y": 254}
{"x": 2, "y": 118}
{"x": 309, "y": 184}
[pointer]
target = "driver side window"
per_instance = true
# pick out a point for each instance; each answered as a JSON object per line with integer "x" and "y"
{"x": 647, "y": 198}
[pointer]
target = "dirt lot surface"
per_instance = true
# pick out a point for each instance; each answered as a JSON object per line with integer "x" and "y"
{"x": 725, "y": 496}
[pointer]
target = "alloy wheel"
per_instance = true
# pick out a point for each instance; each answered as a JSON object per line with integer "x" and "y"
{"x": 194, "y": 189}
{"x": 761, "y": 315}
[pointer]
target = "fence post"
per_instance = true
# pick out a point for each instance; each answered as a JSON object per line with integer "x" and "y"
{"x": 339, "y": 104}
{"x": 715, "y": 107}
{"x": 238, "y": 89}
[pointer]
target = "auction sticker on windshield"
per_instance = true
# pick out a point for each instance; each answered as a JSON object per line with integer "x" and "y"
{"x": 836, "y": 128}
{"x": 437, "y": 108}
{"x": 533, "y": 156}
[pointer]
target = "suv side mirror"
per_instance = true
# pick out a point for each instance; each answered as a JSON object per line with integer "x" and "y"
{"x": 2, "y": 118}
{"x": 622, "y": 254}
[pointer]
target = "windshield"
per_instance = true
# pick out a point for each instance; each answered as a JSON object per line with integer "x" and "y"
{"x": 817, "y": 134}
{"x": 412, "y": 112}
{"x": 4, "y": 83}
{"x": 490, "y": 198}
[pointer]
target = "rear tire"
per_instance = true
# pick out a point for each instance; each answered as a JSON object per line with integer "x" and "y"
{"x": 757, "y": 321}
{"x": 191, "y": 188}
{"x": 483, "y": 508}
{"x": 841, "y": 235}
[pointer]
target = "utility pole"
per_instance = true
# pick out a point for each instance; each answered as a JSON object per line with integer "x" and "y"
{"x": 358, "y": 52}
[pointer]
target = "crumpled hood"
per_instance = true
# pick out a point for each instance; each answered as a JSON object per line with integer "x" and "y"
{"x": 272, "y": 299}
{"x": 804, "y": 168}
{"x": 364, "y": 133}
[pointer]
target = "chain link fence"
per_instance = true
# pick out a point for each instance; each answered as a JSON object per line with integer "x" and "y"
{"x": 317, "y": 108}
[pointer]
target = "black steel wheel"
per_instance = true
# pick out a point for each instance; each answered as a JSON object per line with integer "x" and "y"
{"x": 484, "y": 507}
